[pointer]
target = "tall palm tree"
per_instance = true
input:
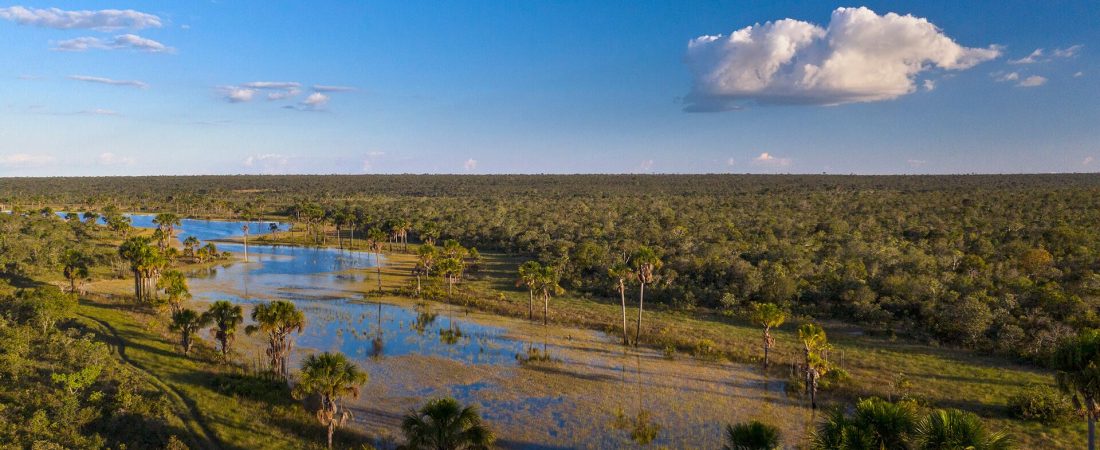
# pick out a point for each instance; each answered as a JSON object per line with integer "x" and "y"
{"x": 645, "y": 263}
{"x": 622, "y": 273}
{"x": 330, "y": 376}
{"x": 444, "y": 424}
{"x": 187, "y": 322}
{"x": 953, "y": 429}
{"x": 402, "y": 227}
{"x": 1077, "y": 363}
{"x": 226, "y": 318}
{"x": 451, "y": 271}
{"x": 277, "y": 320}
{"x": 174, "y": 285}
{"x": 753, "y": 435}
{"x": 75, "y": 267}
{"x": 529, "y": 278}
{"x": 167, "y": 222}
{"x": 813, "y": 342}
{"x": 769, "y": 316}
{"x": 376, "y": 239}
{"x": 548, "y": 285}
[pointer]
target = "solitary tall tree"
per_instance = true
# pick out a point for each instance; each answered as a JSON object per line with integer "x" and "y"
{"x": 769, "y": 316}
{"x": 174, "y": 285}
{"x": 226, "y": 318}
{"x": 277, "y": 320}
{"x": 187, "y": 322}
{"x": 529, "y": 278}
{"x": 645, "y": 263}
{"x": 451, "y": 271}
{"x": 1078, "y": 374}
{"x": 813, "y": 342}
{"x": 444, "y": 424}
{"x": 330, "y": 376}
{"x": 376, "y": 239}
{"x": 622, "y": 273}
{"x": 548, "y": 285}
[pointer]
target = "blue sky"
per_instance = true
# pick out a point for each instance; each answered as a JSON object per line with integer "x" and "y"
{"x": 200, "y": 87}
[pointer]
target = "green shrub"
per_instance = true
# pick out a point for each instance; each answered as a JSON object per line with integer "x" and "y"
{"x": 1041, "y": 403}
{"x": 706, "y": 349}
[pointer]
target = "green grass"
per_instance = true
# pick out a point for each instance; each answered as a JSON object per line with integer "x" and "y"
{"x": 943, "y": 377}
{"x": 221, "y": 405}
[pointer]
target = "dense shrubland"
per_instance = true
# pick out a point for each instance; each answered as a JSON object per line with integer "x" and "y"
{"x": 1001, "y": 264}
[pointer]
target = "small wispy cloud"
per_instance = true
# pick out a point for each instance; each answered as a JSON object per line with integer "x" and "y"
{"x": 1032, "y": 58}
{"x": 314, "y": 102}
{"x": 26, "y": 160}
{"x": 99, "y": 112}
{"x": 324, "y": 88}
{"x": 1040, "y": 55}
{"x": 1032, "y": 81}
{"x": 731, "y": 162}
{"x": 111, "y": 159}
{"x": 268, "y": 162}
{"x": 272, "y": 85}
{"x": 101, "y": 20}
{"x": 122, "y": 41}
{"x": 915, "y": 163}
{"x": 1001, "y": 76}
{"x": 1079, "y": 74}
{"x": 929, "y": 85}
{"x": 26, "y": 77}
{"x": 112, "y": 82}
{"x": 1087, "y": 161}
{"x": 470, "y": 164}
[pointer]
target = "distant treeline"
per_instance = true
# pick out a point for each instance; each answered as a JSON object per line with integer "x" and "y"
{"x": 1001, "y": 263}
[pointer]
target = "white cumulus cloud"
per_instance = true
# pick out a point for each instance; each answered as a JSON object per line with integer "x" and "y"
{"x": 470, "y": 164}
{"x": 101, "y": 20}
{"x": 112, "y": 82}
{"x": 859, "y": 57}
{"x": 1032, "y": 81}
{"x": 122, "y": 41}
{"x": 268, "y": 163}
{"x": 767, "y": 159}
{"x": 26, "y": 160}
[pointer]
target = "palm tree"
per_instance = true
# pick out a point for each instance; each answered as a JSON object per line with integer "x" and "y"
{"x": 444, "y": 424}
{"x": 402, "y": 227}
{"x": 645, "y": 263}
{"x": 145, "y": 262}
{"x": 953, "y": 429}
{"x": 174, "y": 285}
{"x": 75, "y": 267}
{"x": 621, "y": 273}
{"x": 278, "y": 319}
{"x": 189, "y": 246}
{"x": 769, "y": 316}
{"x": 876, "y": 424}
{"x": 753, "y": 435}
{"x": 451, "y": 270}
{"x": 226, "y": 318}
{"x": 330, "y": 376}
{"x": 376, "y": 239}
{"x": 529, "y": 278}
{"x": 167, "y": 222}
{"x": 813, "y": 343}
{"x": 187, "y": 322}
{"x": 548, "y": 286}
{"x": 1077, "y": 363}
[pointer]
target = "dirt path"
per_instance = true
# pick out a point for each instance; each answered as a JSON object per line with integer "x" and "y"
{"x": 202, "y": 435}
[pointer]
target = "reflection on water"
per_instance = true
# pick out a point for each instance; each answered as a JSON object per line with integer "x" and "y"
{"x": 323, "y": 283}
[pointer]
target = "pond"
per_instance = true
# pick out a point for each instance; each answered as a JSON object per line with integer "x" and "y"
{"x": 590, "y": 394}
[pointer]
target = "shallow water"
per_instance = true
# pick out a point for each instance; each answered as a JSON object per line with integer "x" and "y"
{"x": 417, "y": 351}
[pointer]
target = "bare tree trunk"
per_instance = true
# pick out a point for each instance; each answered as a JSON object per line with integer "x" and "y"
{"x": 641, "y": 302}
{"x": 331, "y": 428}
{"x": 767, "y": 345}
{"x": 545, "y": 308}
{"x": 622, "y": 296}
{"x": 531, "y": 305}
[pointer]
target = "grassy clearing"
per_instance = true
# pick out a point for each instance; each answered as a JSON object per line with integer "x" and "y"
{"x": 222, "y": 405}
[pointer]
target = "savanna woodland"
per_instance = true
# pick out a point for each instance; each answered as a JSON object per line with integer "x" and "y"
{"x": 930, "y": 312}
